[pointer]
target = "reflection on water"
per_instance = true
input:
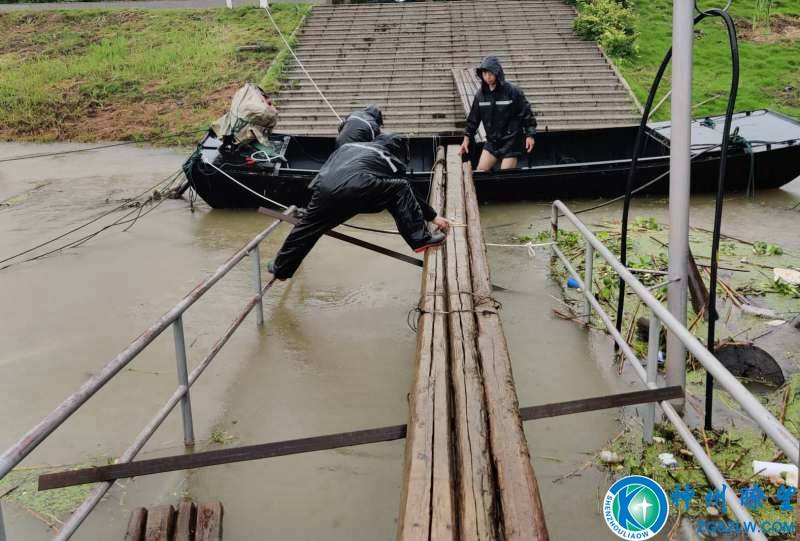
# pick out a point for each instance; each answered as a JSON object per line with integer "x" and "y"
{"x": 335, "y": 353}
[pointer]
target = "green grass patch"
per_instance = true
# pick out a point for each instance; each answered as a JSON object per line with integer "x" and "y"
{"x": 50, "y": 506}
{"x": 127, "y": 74}
{"x": 769, "y": 60}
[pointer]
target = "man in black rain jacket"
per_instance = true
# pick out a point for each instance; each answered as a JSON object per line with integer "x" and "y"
{"x": 360, "y": 178}
{"x": 506, "y": 115}
{"x": 360, "y": 126}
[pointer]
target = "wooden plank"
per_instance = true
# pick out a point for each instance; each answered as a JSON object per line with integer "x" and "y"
{"x": 600, "y": 403}
{"x": 698, "y": 292}
{"x": 426, "y": 506}
{"x": 136, "y": 525}
{"x": 320, "y": 443}
{"x": 475, "y": 491}
{"x": 520, "y": 501}
{"x": 209, "y": 522}
{"x": 160, "y": 523}
{"x": 187, "y": 521}
{"x": 467, "y": 86}
{"x": 220, "y": 456}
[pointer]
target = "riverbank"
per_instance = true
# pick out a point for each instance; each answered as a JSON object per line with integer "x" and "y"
{"x": 770, "y": 66}
{"x": 88, "y": 75}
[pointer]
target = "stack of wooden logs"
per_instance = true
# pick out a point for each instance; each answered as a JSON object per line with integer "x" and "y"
{"x": 189, "y": 522}
{"x": 468, "y": 472}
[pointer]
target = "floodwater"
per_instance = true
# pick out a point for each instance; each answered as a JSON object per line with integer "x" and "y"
{"x": 335, "y": 354}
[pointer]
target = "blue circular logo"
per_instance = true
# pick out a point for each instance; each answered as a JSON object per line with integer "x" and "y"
{"x": 635, "y": 507}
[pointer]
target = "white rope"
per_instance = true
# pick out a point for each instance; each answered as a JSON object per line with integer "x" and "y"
{"x": 265, "y": 5}
{"x": 530, "y": 246}
{"x": 264, "y": 197}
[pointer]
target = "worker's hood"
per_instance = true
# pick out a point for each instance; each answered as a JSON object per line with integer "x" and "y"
{"x": 492, "y": 65}
{"x": 375, "y": 113}
{"x": 394, "y": 144}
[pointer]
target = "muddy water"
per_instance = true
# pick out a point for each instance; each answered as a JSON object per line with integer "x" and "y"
{"x": 335, "y": 355}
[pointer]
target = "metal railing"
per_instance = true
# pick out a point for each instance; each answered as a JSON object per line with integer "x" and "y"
{"x": 659, "y": 315}
{"x": 174, "y": 317}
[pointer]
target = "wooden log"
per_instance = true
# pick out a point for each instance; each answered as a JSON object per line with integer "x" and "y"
{"x": 475, "y": 492}
{"x": 520, "y": 502}
{"x": 426, "y": 504}
{"x": 187, "y": 522}
{"x": 136, "y": 525}
{"x": 209, "y": 522}
{"x": 160, "y": 523}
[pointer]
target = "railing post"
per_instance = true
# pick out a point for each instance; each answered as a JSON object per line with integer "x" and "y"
{"x": 2, "y": 525}
{"x": 256, "y": 256}
{"x": 587, "y": 282}
{"x": 653, "y": 339}
{"x": 183, "y": 379}
{"x": 553, "y": 233}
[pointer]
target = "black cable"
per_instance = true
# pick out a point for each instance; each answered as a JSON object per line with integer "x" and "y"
{"x": 711, "y": 309}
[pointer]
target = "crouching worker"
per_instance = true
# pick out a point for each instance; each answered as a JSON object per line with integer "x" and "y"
{"x": 360, "y": 126}
{"x": 360, "y": 178}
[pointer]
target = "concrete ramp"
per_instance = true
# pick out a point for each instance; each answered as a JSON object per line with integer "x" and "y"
{"x": 400, "y": 56}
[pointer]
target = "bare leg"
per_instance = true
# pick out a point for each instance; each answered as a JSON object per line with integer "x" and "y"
{"x": 487, "y": 161}
{"x": 508, "y": 163}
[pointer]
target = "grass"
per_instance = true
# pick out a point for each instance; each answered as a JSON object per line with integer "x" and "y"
{"x": 770, "y": 64}
{"x": 133, "y": 74}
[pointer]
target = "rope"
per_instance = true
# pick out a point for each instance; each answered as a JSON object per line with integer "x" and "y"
{"x": 299, "y": 63}
{"x": 529, "y": 245}
{"x": 99, "y": 147}
{"x": 171, "y": 179}
{"x": 478, "y": 301}
{"x": 281, "y": 205}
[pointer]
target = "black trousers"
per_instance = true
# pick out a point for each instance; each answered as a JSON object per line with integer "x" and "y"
{"x": 328, "y": 210}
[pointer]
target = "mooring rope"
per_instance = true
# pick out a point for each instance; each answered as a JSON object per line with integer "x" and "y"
{"x": 531, "y": 246}
{"x": 478, "y": 307}
{"x": 299, "y": 63}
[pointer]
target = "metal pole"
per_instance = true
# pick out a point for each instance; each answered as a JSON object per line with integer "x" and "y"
{"x": 183, "y": 379}
{"x": 587, "y": 282}
{"x": 2, "y": 525}
{"x": 255, "y": 254}
{"x": 15, "y": 454}
{"x": 652, "y": 370}
{"x": 679, "y": 183}
{"x": 787, "y": 441}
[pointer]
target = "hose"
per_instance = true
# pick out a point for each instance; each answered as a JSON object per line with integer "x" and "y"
{"x": 711, "y": 307}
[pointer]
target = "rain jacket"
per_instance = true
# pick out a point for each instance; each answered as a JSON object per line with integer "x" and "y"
{"x": 360, "y": 126}
{"x": 357, "y": 178}
{"x": 505, "y": 112}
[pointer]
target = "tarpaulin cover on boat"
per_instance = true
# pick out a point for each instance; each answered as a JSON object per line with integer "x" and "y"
{"x": 251, "y": 117}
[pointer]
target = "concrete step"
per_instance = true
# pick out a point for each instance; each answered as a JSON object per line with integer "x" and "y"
{"x": 511, "y": 74}
{"x": 443, "y": 47}
{"x": 442, "y": 78}
{"x": 377, "y": 97}
{"x": 315, "y": 104}
{"x": 429, "y": 86}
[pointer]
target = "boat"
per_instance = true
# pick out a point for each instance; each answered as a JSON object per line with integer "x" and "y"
{"x": 764, "y": 153}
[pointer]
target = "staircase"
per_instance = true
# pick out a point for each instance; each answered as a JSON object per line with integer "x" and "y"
{"x": 400, "y": 56}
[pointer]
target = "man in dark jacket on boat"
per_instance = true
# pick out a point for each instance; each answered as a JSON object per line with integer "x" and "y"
{"x": 507, "y": 118}
{"x": 360, "y": 178}
{"x": 360, "y": 126}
